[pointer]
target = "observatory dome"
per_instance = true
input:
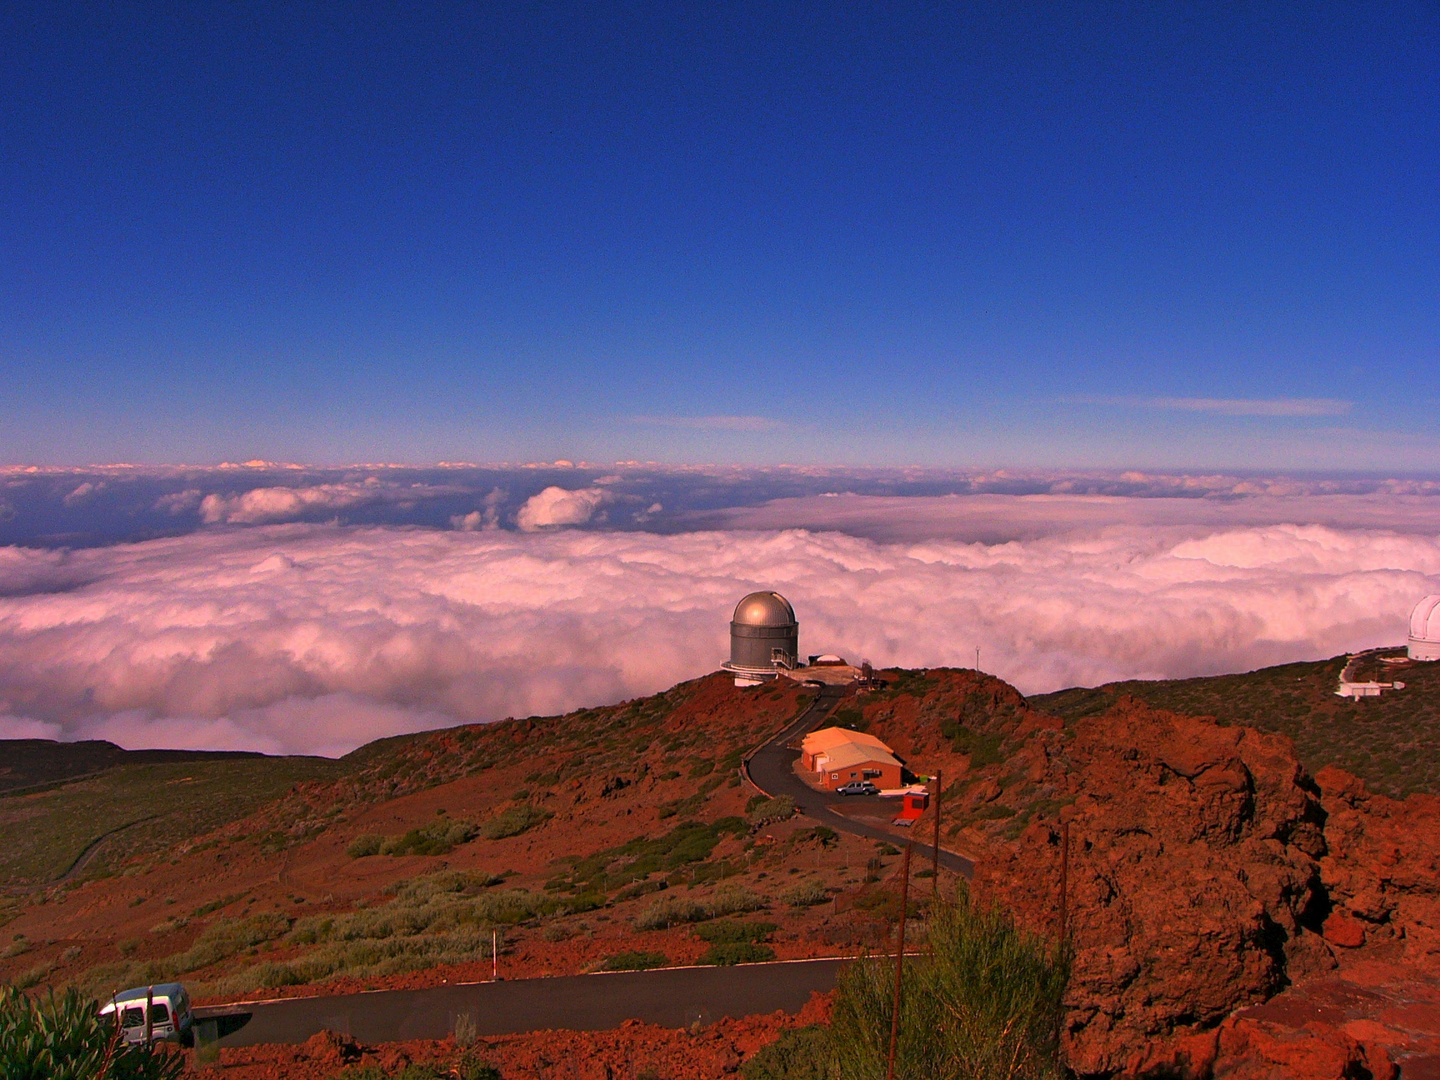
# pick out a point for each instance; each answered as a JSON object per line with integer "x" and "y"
{"x": 764, "y": 638}
{"x": 764, "y": 609}
{"x": 1425, "y": 630}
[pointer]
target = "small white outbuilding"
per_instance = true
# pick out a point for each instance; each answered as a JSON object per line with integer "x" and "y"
{"x": 1425, "y": 629}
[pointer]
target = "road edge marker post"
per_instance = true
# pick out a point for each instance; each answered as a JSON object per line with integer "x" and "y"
{"x": 935, "y": 854}
{"x": 899, "y": 961}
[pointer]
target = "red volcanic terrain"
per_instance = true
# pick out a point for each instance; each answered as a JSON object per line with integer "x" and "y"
{"x": 1234, "y": 911}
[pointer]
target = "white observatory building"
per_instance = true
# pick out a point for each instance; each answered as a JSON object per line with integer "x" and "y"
{"x": 1424, "y": 641}
{"x": 764, "y": 639}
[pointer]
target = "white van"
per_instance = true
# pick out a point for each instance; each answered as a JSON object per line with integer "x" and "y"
{"x": 169, "y": 1006}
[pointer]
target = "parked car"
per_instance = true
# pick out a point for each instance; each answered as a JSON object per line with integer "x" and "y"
{"x": 857, "y": 787}
{"x": 170, "y": 1017}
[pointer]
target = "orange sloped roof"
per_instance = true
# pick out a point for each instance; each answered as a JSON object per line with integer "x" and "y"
{"x": 848, "y": 755}
{"x": 827, "y": 738}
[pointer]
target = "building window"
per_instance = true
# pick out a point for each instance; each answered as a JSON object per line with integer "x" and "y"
{"x": 834, "y": 776}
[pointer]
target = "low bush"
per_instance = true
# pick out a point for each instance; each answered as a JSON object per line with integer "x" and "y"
{"x": 670, "y": 911}
{"x": 985, "y": 1004}
{"x": 734, "y": 900}
{"x": 635, "y": 961}
{"x": 805, "y": 894}
{"x": 513, "y": 821}
{"x": 730, "y": 953}
{"x": 438, "y": 838}
{"x": 63, "y": 1037}
{"x": 770, "y": 811}
{"x": 639, "y": 889}
{"x": 798, "y": 1054}
{"x": 364, "y": 845}
{"x": 732, "y": 931}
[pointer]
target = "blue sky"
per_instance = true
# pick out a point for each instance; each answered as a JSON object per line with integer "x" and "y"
{"x": 1069, "y": 235}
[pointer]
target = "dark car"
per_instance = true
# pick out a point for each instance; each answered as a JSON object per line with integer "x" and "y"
{"x": 857, "y": 787}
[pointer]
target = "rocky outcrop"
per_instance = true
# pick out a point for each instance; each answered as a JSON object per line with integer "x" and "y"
{"x": 1382, "y": 869}
{"x": 1194, "y": 877}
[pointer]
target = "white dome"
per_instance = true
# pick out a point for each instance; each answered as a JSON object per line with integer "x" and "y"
{"x": 1425, "y": 629}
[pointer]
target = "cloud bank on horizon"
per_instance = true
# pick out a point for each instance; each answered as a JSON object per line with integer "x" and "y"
{"x": 316, "y": 638}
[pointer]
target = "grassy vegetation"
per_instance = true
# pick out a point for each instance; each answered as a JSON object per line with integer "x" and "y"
{"x": 805, "y": 894}
{"x": 513, "y": 821}
{"x": 160, "y": 802}
{"x": 799, "y": 1054}
{"x": 438, "y": 838}
{"x": 145, "y": 809}
{"x": 635, "y": 961}
{"x": 984, "y": 1003}
{"x": 730, "y": 953}
{"x": 1387, "y": 741}
{"x": 686, "y": 844}
{"x": 62, "y": 1037}
{"x": 442, "y": 918}
{"x": 678, "y": 910}
{"x": 763, "y": 811}
{"x": 735, "y": 942}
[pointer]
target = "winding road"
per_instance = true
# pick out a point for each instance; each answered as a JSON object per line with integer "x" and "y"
{"x": 771, "y": 768}
{"x": 670, "y": 997}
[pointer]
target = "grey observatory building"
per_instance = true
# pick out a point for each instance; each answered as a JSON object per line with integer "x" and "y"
{"x": 764, "y": 639}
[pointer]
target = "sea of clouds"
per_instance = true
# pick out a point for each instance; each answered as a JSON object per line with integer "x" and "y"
{"x": 315, "y": 637}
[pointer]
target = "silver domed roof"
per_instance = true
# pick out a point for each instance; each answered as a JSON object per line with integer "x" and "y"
{"x": 764, "y": 609}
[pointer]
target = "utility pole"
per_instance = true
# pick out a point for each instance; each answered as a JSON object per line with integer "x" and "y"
{"x": 1064, "y": 879}
{"x": 899, "y": 961}
{"x": 935, "y": 855}
{"x": 977, "y": 658}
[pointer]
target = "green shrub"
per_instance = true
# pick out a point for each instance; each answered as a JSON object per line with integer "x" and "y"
{"x": 733, "y": 931}
{"x": 982, "y": 747}
{"x": 439, "y": 838}
{"x": 737, "y": 952}
{"x": 733, "y": 900}
{"x": 805, "y": 894}
{"x": 820, "y": 834}
{"x": 64, "y": 1038}
{"x": 670, "y": 911}
{"x": 986, "y": 1003}
{"x": 513, "y": 821}
{"x": 798, "y": 1054}
{"x": 639, "y": 889}
{"x": 635, "y": 961}
{"x": 363, "y": 845}
{"x": 769, "y": 811}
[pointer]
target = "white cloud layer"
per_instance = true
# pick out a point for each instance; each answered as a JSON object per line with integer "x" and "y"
{"x": 555, "y": 506}
{"x": 314, "y": 638}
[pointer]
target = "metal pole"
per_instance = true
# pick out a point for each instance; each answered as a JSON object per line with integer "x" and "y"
{"x": 149, "y": 998}
{"x": 494, "y": 955}
{"x": 935, "y": 855}
{"x": 899, "y": 961}
{"x": 1064, "y": 878}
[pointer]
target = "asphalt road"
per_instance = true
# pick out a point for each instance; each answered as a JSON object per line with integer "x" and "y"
{"x": 771, "y": 769}
{"x": 672, "y": 997}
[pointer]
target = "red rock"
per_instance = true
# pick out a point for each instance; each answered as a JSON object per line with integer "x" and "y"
{"x": 1192, "y": 869}
{"x": 1383, "y": 864}
{"x": 1255, "y": 1050}
{"x": 1343, "y": 929}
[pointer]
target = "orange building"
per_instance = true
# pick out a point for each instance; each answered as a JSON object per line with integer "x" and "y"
{"x": 838, "y": 756}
